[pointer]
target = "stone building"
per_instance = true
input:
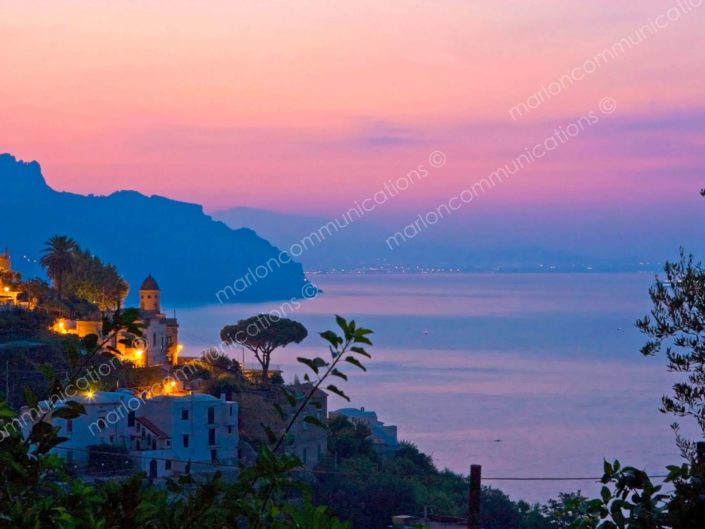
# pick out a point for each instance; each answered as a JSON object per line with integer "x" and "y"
{"x": 258, "y": 406}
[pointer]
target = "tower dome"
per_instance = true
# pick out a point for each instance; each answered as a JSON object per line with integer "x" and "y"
{"x": 149, "y": 283}
{"x": 149, "y": 295}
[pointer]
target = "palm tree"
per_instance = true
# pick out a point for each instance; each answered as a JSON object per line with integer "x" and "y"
{"x": 58, "y": 259}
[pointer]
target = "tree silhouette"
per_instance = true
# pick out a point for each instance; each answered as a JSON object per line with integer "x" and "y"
{"x": 263, "y": 334}
{"x": 58, "y": 259}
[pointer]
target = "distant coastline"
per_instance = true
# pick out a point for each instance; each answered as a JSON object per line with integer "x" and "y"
{"x": 651, "y": 269}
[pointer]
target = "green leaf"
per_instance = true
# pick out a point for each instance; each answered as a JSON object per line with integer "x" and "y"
{"x": 90, "y": 341}
{"x": 70, "y": 410}
{"x": 289, "y": 397}
{"x": 339, "y": 374}
{"x": 47, "y": 372}
{"x": 354, "y": 361}
{"x": 331, "y": 338}
{"x": 29, "y": 397}
{"x": 316, "y": 422}
{"x": 360, "y": 351}
{"x": 314, "y": 364}
{"x": 341, "y": 323}
{"x": 339, "y": 392}
{"x": 362, "y": 339}
{"x": 6, "y": 412}
{"x": 270, "y": 434}
{"x": 606, "y": 494}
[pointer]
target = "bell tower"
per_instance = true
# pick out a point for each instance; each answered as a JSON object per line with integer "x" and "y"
{"x": 5, "y": 260}
{"x": 149, "y": 295}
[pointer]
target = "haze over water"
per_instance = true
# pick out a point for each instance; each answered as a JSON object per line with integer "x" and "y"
{"x": 529, "y": 375}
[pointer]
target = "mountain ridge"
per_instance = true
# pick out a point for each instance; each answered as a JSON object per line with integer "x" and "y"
{"x": 193, "y": 255}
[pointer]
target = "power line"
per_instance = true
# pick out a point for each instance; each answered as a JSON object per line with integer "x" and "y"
{"x": 340, "y": 473}
{"x": 148, "y": 458}
{"x": 552, "y": 479}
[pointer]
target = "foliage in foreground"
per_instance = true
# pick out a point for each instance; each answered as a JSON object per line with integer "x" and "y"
{"x": 629, "y": 498}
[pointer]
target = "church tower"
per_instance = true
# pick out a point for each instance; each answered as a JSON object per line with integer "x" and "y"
{"x": 5, "y": 261}
{"x": 149, "y": 295}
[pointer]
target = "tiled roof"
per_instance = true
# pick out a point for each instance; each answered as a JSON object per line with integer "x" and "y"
{"x": 152, "y": 427}
{"x": 149, "y": 284}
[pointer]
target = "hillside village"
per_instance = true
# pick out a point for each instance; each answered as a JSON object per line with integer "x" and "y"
{"x": 180, "y": 414}
{"x": 119, "y": 402}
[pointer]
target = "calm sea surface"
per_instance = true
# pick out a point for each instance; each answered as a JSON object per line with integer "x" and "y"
{"x": 528, "y": 375}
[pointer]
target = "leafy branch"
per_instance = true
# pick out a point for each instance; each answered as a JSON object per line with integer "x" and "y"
{"x": 340, "y": 347}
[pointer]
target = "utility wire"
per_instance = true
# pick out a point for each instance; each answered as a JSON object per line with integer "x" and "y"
{"x": 332, "y": 472}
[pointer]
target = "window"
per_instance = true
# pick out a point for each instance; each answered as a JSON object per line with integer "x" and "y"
{"x": 131, "y": 419}
{"x": 101, "y": 424}
{"x": 167, "y": 465}
{"x": 230, "y": 429}
{"x": 69, "y": 425}
{"x": 154, "y": 339}
{"x": 211, "y": 415}
{"x": 230, "y": 410}
{"x": 185, "y": 439}
{"x": 214, "y": 456}
{"x": 184, "y": 414}
{"x": 211, "y": 436}
{"x": 305, "y": 456}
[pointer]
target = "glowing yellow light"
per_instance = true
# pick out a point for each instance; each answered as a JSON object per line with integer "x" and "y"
{"x": 179, "y": 347}
{"x": 173, "y": 383}
{"x": 139, "y": 353}
{"x": 90, "y": 394}
{"x": 7, "y": 289}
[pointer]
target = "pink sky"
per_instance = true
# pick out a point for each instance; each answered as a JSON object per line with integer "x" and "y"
{"x": 308, "y": 106}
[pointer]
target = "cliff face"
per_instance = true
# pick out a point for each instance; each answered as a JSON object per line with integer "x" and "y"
{"x": 192, "y": 256}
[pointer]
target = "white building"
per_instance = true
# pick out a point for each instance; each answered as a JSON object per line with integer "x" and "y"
{"x": 162, "y": 434}
{"x": 170, "y": 431}
{"x": 105, "y": 422}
